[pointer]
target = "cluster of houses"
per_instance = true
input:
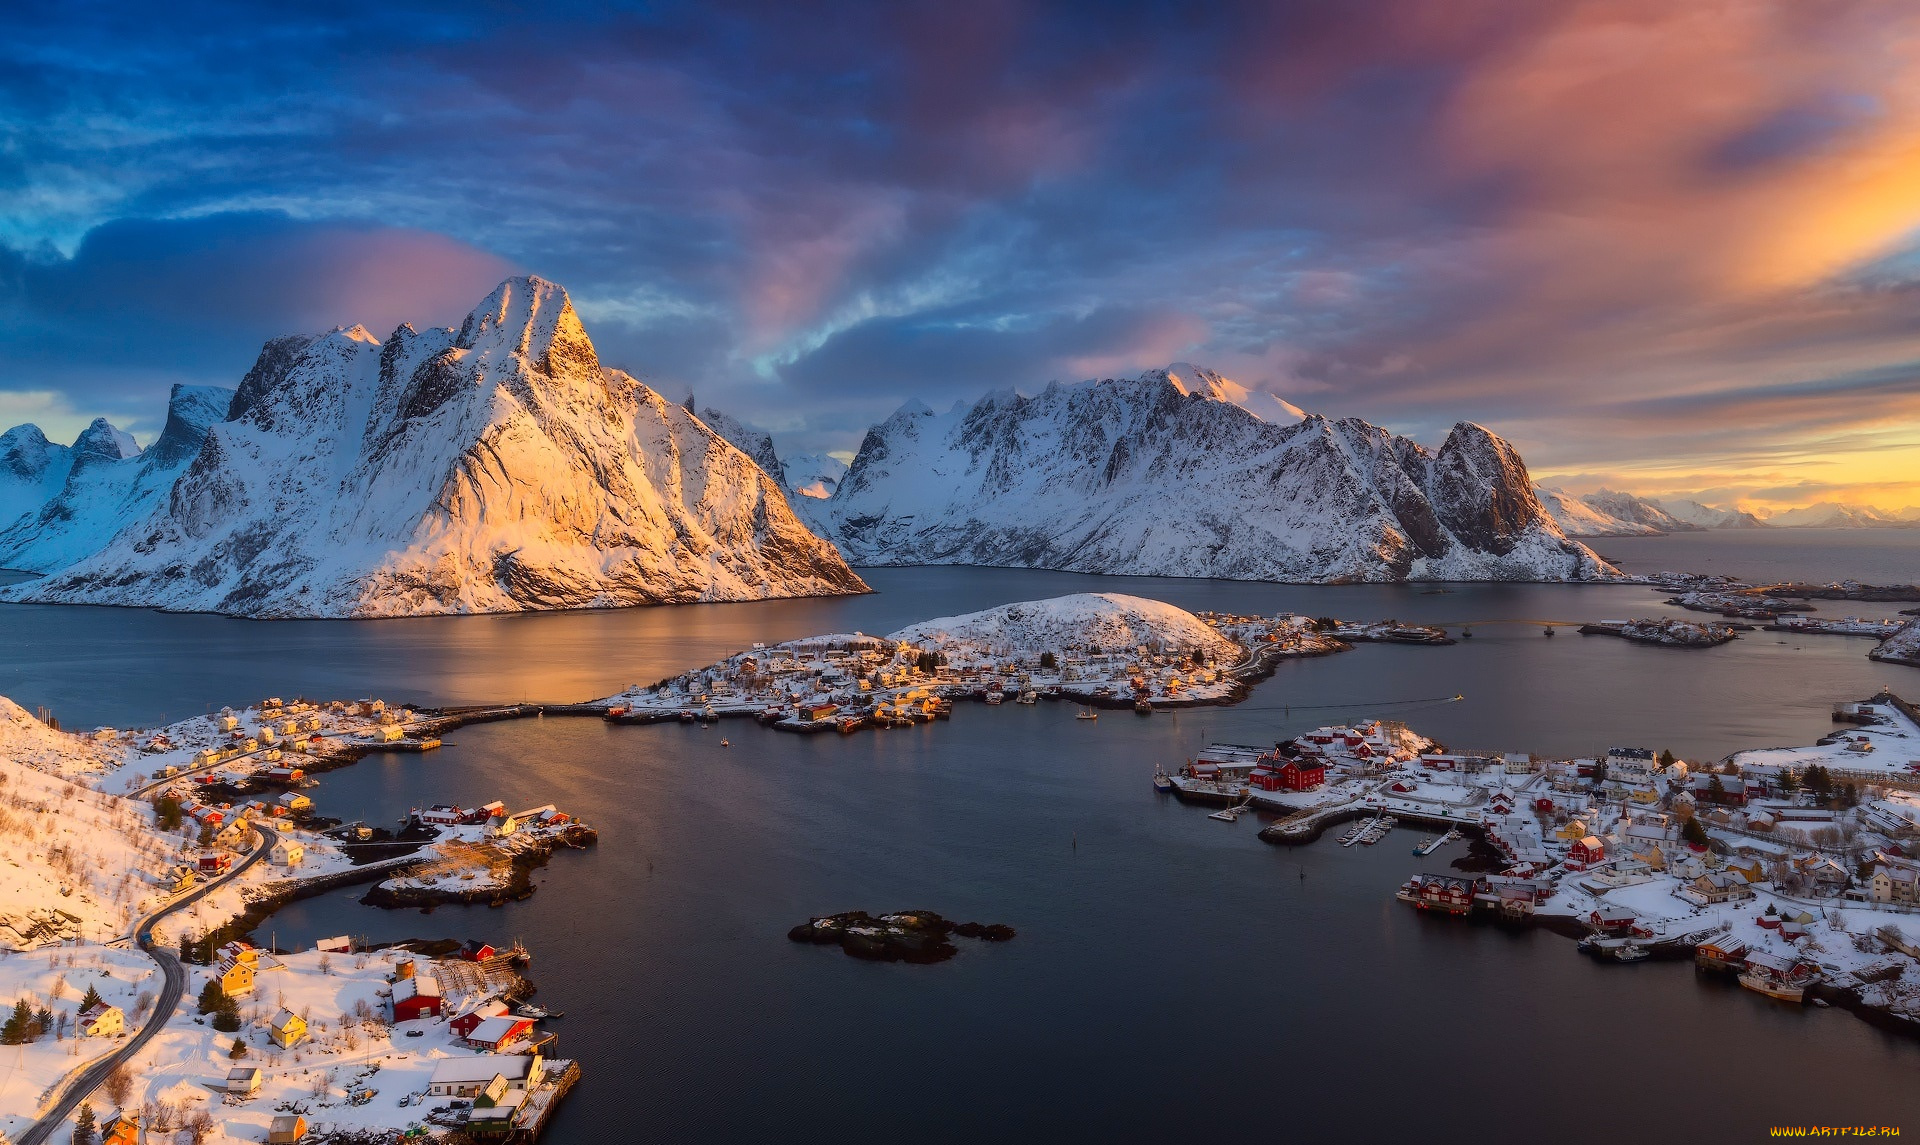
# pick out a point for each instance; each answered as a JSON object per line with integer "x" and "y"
{"x": 848, "y": 682}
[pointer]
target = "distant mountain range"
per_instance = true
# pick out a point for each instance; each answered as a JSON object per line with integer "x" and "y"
{"x": 1168, "y": 474}
{"x": 496, "y": 467}
{"x": 1610, "y": 514}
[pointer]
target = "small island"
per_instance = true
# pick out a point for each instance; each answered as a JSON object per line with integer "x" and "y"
{"x": 904, "y": 936}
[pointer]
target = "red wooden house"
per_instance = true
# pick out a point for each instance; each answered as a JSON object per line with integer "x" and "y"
{"x": 465, "y": 1023}
{"x": 1289, "y": 775}
{"x": 417, "y": 997}
{"x": 1586, "y": 852}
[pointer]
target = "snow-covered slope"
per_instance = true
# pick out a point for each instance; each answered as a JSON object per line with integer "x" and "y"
{"x": 494, "y": 468}
{"x": 1903, "y": 647}
{"x": 32, "y": 470}
{"x": 754, "y": 442}
{"x": 1708, "y": 517}
{"x": 1833, "y": 515}
{"x": 1093, "y": 621}
{"x": 1154, "y": 476}
{"x": 1609, "y": 514}
{"x": 111, "y": 482}
{"x": 814, "y": 475}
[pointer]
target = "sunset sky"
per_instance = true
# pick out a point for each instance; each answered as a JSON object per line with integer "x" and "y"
{"x": 1671, "y": 248}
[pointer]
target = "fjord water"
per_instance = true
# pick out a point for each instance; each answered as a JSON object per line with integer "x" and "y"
{"x": 1173, "y": 976}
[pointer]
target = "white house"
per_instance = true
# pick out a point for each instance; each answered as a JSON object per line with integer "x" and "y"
{"x": 288, "y": 853}
{"x": 466, "y": 1076}
{"x": 243, "y": 1080}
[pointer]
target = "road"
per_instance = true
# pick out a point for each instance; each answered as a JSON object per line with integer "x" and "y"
{"x": 80, "y": 1087}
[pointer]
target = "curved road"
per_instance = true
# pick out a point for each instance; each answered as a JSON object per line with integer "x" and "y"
{"x": 82, "y": 1086}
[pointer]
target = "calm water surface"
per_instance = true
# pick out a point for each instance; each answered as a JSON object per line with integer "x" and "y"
{"x": 1173, "y": 977}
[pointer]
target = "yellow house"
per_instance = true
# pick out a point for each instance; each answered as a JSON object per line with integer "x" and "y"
{"x": 1748, "y": 869}
{"x": 287, "y": 1029}
{"x": 1571, "y": 830}
{"x": 236, "y": 976}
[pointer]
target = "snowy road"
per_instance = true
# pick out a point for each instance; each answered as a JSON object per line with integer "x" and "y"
{"x": 82, "y": 1085}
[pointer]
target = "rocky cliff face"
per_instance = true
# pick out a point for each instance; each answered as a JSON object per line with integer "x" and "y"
{"x": 1162, "y": 475}
{"x": 497, "y": 467}
{"x": 109, "y": 483}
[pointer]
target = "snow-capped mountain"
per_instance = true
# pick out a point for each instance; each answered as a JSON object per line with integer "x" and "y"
{"x": 814, "y": 475}
{"x": 1162, "y": 476}
{"x": 1708, "y": 517}
{"x": 1609, "y": 514}
{"x": 1833, "y": 515}
{"x": 497, "y": 467}
{"x": 32, "y": 470}
{"x": 110, "y": 482}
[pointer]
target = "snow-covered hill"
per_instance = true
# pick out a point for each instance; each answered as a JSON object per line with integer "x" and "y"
{"x": 1162, "y": 475}
{"x": 1903, "y": 647}
{"x": 1087, "y": 621}
{"x": 1609, "y": 514}
{"x": 111, "y": 482}
{"x": 494, "y": 468}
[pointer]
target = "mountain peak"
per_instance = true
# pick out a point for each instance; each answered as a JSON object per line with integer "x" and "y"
{"x": 102, "y": 441}
{"x": 529, "y": 316}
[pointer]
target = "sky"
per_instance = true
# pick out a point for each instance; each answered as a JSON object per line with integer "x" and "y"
{"x": 1671, "y": 248}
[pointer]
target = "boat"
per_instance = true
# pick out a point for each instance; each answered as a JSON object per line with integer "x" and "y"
{"x": 686, "y": 716}
{"x": 1086, "y": 714}
{"x": 1778, "y": 977}
{"x": 1142, "y": 708}
{"x": 1628, "y": 952}
{"x": 1434, "y": 844}
{"x": 1162, "y": 782}
{"x": 1028, "y": 697}
{"x": 995, "y": 697}
{"x": 724, "y": 743}
{"x": 1773, "y": 988}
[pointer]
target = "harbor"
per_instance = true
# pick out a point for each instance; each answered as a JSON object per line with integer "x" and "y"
{"x": 1745, "y": 866}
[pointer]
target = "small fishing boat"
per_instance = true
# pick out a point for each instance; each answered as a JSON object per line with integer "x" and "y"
{"x": 996, "y": 697}
{"x": 1086, "y": 714}
{"x": 724, "y": 743}
{"x": 1162, "y": 782}
{"x": 1628, "y": 952}
{"x": 1142, "y": 708}
{"x": 1028, "y": 697}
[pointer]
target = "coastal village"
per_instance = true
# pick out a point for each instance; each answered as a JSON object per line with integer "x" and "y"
{"x": 158, "y": 840}
{"x": 1097, "y": 650}
{"x": 1794, "y": 870}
